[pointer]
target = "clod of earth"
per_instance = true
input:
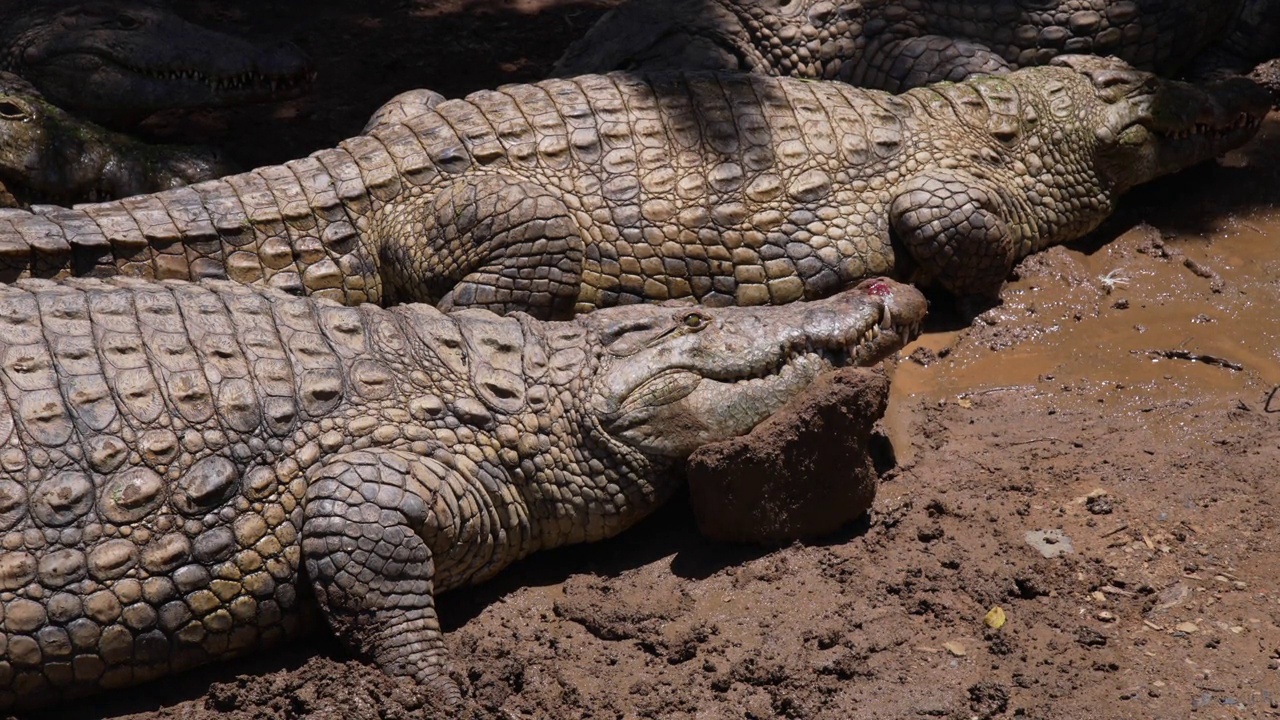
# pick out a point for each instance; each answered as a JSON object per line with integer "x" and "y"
{"x": 188, "y": 469}
{"x": 569, "y": 195}
{"x": 804, "y": 472}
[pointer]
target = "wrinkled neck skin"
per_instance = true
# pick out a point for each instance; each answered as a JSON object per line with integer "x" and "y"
{"x": 521, "y": 386}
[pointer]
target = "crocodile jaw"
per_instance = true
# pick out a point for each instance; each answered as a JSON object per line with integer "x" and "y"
{"x": 683, "y": 391}
{"x": 1178, "y": 126}
{"x": 127, "y": 59}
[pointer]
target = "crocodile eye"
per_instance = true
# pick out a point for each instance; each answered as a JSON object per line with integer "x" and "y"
{"x": 124, "y": 22}
{"x": 695, "y": 321}
{"x": 13, "y": 110}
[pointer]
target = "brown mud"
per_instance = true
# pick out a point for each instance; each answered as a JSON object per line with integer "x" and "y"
{"x": 1098, "y": 456}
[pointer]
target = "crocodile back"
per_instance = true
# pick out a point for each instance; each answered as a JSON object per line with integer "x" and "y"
{"x": 151, "y": 455}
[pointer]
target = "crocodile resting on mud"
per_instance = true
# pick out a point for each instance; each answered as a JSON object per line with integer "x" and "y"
{"x": 899, "y": 44}
{"x": 116, "y": 62}
{"x": 569, "y": 195}
{"x": 186, "y": 469}
{"x": 50, "y": 156}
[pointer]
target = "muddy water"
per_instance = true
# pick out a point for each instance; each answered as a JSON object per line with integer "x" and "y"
{"x": 1108, "y": 317}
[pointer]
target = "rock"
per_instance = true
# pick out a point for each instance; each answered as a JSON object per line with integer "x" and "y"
{"x": 1049, "y": 543}
{"x": 804, "y": 472}
{"x": 995, "y": 618}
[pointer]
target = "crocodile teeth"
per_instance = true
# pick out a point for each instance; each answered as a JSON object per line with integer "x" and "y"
{"x": 833, "y": 351}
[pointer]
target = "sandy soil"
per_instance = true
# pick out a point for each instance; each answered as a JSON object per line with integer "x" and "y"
{"x": 1097, "y": 457}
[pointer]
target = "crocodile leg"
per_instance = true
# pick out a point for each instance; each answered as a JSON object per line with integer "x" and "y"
{"x": 955, "y": 230}
{"x": 372, "y": 572}
{"x": 493, "y": 243}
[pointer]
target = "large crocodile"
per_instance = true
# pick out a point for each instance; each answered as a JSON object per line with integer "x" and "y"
{"x": 48, "y": 155}
{"x": 118, "y": 61}
{"x": 185, "y": 469}
{"x": 899, "y": 44}
{"x": 568, "y": 195}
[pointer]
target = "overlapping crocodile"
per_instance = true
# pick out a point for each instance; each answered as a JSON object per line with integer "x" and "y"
{"x": 49, "y": 156}
{"x": 185, "y": 468}
{"x": 899, "y": 44}
{"x": 568, "y": 195}
{"x": 115, "y": 62}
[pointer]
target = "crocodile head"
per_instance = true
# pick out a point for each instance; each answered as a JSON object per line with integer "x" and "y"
{"x": 122, "y": 61}
{"x": 1147, "y": 126}
{"x": 674, "y": 379}
{"x": 50, "y": 156}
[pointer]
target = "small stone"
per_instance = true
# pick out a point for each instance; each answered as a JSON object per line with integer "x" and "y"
{"x": 1187, "y": 627}
{"x": 1049, "y": 543}
{"x": 995, "y": 618}
{"x": 1105, "y": 616}
{"x": 1098, "y": 596}
{"x": 954, "y": 648}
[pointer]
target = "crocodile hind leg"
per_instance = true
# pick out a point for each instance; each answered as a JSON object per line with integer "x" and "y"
{"x": 372, "y": 572}
{"x": 956, "y": 232}
{"x": 491, "y": 242}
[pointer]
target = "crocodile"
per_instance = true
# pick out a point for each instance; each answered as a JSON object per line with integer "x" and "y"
{"x": 191, "y": 469}
{"x": 895, "y": 45}
{"x": 571, "y": 194}
{"x": 48, "y": 155}
{"x": 116, "y": 62}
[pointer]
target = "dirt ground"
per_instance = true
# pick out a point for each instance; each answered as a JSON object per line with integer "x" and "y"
{"x": 1098, "y": 457}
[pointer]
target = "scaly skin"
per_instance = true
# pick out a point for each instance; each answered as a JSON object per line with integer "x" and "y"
{"x": 899, "y": 44}
{"x": 49, "y": 156}
{"x": 185, "y": 470}
{"x": 570, "y": 195}
{"x": 116, "y": 62}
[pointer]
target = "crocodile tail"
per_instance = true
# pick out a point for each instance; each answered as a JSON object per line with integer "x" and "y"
{"x": 296, "y": 227}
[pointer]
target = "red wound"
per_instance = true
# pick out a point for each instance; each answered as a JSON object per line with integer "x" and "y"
{"x": 879, "y": 289}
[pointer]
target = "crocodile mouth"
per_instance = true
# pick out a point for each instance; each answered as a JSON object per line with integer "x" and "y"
{"x": 274, "y": 83}
{"x": 680, "y": 408}
{"x": 255, "y": 82}
{"x": 858, "y": 349}
{"x": 1243, "y": 122}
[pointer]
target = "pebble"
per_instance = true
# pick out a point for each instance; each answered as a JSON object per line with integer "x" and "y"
{"x": 1049, "y": 543}
{"x": 954, "y": 648}
{"x": 995, "y": 618}
{"x": 1187, "y": 627}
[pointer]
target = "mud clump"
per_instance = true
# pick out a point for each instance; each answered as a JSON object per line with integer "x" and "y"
{"x": 804, "y": 472}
